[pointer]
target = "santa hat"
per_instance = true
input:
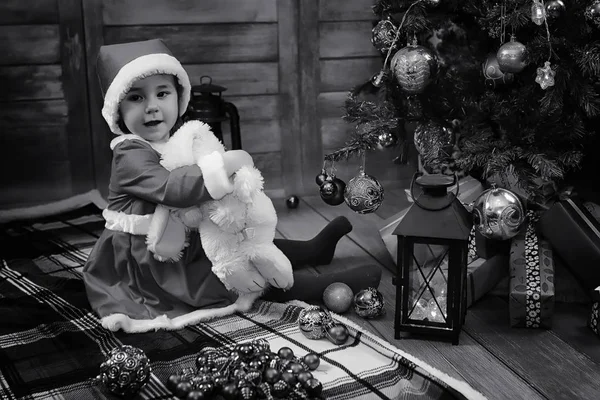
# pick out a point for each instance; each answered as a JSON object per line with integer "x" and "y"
{"x": 120, "y": 65}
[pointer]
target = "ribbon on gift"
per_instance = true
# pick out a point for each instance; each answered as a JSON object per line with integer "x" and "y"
{"x": 533, "y": 294}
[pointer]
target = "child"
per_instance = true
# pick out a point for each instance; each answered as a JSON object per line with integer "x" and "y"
{"x": 146, "y": 91}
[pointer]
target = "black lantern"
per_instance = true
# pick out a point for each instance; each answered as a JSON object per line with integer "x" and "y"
{"x": 432, "y": 261}
{"x": 208, "y": 106}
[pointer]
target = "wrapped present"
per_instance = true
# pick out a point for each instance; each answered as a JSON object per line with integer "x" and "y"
{"x": 483, "y": 275}
{"x": 531, "y": 284}
{"x": 594, "y": 320}
{"x": 574, "y": 235}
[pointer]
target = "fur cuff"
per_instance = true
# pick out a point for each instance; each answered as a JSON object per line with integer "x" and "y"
{"x": 216, "y": 180}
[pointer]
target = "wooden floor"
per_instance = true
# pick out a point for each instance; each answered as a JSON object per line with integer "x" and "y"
{"x": 499, "y": 361}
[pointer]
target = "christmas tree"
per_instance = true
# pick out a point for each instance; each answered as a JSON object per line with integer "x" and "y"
{"x": 504, "y": 90}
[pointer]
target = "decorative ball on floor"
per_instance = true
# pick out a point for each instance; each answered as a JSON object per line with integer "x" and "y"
{"x": 498, "y": 214}
{"x": 125, "y": 370}
{"x": 337, "y": 333}
{"x": 338, "y": 297}
{"x": 312, "y": 321}
{"x": 292, "y": 202}
{"x": 369, "y": 303}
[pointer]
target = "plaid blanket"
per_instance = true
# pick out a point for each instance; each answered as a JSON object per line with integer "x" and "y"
{"x": 52, "y": 344}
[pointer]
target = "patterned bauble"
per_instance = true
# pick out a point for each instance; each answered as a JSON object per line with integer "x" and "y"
{"x": 414, "y": 67}
{"x": 369, "y": 303}
{"x": 494, "y": 77}
{"x": 555, "y": 9}
{"x": 592, "y": 13}
{"x": 338, "y": 297}
{"x": 431, "y": 136}
{"x": 383, "y": 35}
{"x": 312, "y": 321}
{"x": 387, "y": 139}
{"x": 125, "y": 370}
{"x": 363, "y": 194}
{"x": 381, "y": 78}
{"x": 332, "y": 191}
{"x": 498, "y": 214}
{"x": 512, "y": 56}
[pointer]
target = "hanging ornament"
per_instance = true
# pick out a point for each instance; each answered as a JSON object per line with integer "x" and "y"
{"x": 364, "y": 193}
{"x": 387, "y": 139}
{"x": 494, "y": 77}
{"x": 538, "y": 12}
{"x": 433, "y": 3}
{"x": 368, "y": 303}
{"x": 545, "y": 76}
{"x": 431, "y": 136}
{"x": 332, "y": 191}
{"x": 321, "y": 177}
{"x": 512, "y": 56}
{"x": 125, "y": 370}
{"x": 312, "y": 322}
{"x": 414, "y": 67}
{"x": 498, "y": 214}
{"x": 592, "y": 13}
{"x": 555, "y": 9}
{"x": 381, "y": 78}
{"x": 383, "y": 36}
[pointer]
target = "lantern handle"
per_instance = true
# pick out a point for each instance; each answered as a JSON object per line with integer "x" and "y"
{"x": 412, "y": 185}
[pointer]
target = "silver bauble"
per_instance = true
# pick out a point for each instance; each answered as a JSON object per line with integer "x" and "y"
{"x": 125, "y": 371}
{"x": 512, "y": 56}
{"x": 592, "y": 13}
{"x": 363, "y": 193}
{"x": 493, "y": 74}
{"x": 432, "y": 136}
{"x": 312, "y": 322}
{"x": 369, "y": 303}
{"x": 383, "y": 35}
{"x": 414, "y": 67}
{"x": 498, "y": 214}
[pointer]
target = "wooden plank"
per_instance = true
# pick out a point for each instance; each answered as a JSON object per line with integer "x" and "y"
{"x": 258, "y": 136}
{"x": 331, "y": 104}
{"x": 28, "y": 12}
{"x": 74, "y": 70}
{"x": 101, "y": 135}
{"x": 29, "y": 44}
{"x": 238, "y": 78}
{"x": 356, "y": 71}
{"x": 32, "y": 113}
{"x": 289, "y": 94}
{"x": 345, "y": 10}
{"x": 256, "y": 108}
{"x": 551, "y": 366}
{"x": 157, "y": 12}
{"x": 210, "y": 43}
{"x": 31, "y": 82}
{"x": 269, "y": 165}
{"x": 335, "y": 132}
{"x": 308, "y": 59}
{"x": 346, "y": 39}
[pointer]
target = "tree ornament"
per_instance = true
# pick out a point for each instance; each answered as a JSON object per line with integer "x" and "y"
{"x": 592, "y": 13}
{"x": 383, "y": 36}
{"x": 327, "y": 189}
{"x": 555, "y": 9}
{"x": 381, "y": 78}
{"x": 312, "y": 321}
{"x": 125, "y": 370}
{"x": 414, "y": 67}
{"x": 368, "y": 303}
{"x": 313, "y": 387}
{"x": 492, "y": 73}
{"x": 332, "y": 191}
{"x": 363, "y": 194}
{"x": 312, "y": 360}
{"x": 545, "y": 76}
{"x": 498, "y": 214}
{"x": 538, "y": 12}
{"x": 433, "y": 3}
{"x": 285, "y": 353}
{"x": 281, "y": 389}
{"x": 512, "y": 56}
{"x": 292, "y": 202}
{"x": 321, "y": 177}
{"x": 387, "y": 139}
{"x": 338, "y": 297}
{"x": 337, "y": 333}
{"x": 431, "y": 136}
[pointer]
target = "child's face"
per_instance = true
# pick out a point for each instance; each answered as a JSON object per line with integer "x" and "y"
{"x": 150, "y": 108}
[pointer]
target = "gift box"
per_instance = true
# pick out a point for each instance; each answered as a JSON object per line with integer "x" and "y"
{"x": 531, "y": 285}
{"x": 574, "y": 235}
{"x": 483, "y": 275}
{"x": 594, "y": 320}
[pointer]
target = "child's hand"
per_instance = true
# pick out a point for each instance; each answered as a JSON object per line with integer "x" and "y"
{"x": 236, "y": 159}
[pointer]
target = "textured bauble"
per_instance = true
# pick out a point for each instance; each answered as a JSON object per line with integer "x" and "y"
{"x": 592, "y": 13}
{"x": 383, "y": 35}
{"x": 292, "y": 202}
{"x": 363, "y": 194}
{"x": 338, "y": 297}
{"x": 321, "y": 177}
{"x": 304, "y": 376}
{"x": 414, "y": 67}
{"x": 494, "y": 77}
{"x": 381, "y": 78}
{"x": 125, "y": 370}
{"x": 512, "y": 56}
{"x": 555, "y": 9}
{"x": 431, "y": 136}
{"x": 332, "y": 191}
{"x": 368, "y": 303}
{"x": 312, "y": 321}
{"x": 498, "y": 214}
{"x": 387, "y": 139}
{"x": 538, "y": 12}
{"x": 337, "y": 333}
{"x": 327, "y": 189}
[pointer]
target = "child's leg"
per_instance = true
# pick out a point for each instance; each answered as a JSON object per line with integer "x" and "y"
{"x": 318, "y": 250}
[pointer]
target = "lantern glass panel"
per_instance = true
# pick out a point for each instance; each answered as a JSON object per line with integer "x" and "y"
{"x": 428, "y": 283}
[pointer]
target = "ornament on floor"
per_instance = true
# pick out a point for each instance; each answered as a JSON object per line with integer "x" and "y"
{"x": 494, "y": 77}
{"x": 498, "y": 214}
{"x": 369, "y": 303}
{"x": 538, "y": 12}
{"x": 512, "y": 56}
{"x": 337, "y": 297}
{"x": 125, "y": 370}
{"x": 337, "y": 333}
{"x": 414, "y": 67}
{"x": 545, "y": 76}
{"x": 387, "y": 139}
{"x": 312, "y": 321}
{"x": 555, "y": 9}
{"x": 592, "y": 13}
{"x": 381, "y": 78}
{"x": 383, "y": 36}
{"x": 292, "y": 202}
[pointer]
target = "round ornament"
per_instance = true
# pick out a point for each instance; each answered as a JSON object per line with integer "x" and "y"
{"x": 387, "y": 140}
{"x": 493, "y": 75}
{"x": 555, "y": 8}
{"x": 337, "y": 333}
{"x": 414, "y": 67}
{"x": 332, "y": 191}
{"x": 512, "y": 56}
{"x": 538, "y": 12}
{"x": 363, "y": 194}
{"x": 383, "y": 35}
{"x": 125, "y": 370}
{"x": 432, "y": 136}
{"x": 368, "y": 303}
{"x": 498, "y": 214}
{"x": 592, "y": 13}
{"x": 312, "y": 321}
{"x": 292, "y": 202}
{"x": 338, "y": 297}
{"x": 381, "y": 78}
{"x": 321, "y": 178}
{"x": 312, "y": 360}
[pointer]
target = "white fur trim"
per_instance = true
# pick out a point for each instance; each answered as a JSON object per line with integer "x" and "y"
{"x": 139, "y": 68}
{"x": 216, "y": 180}
{"x": 129, "y": 223}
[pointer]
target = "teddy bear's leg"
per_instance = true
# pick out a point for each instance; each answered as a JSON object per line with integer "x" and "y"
{"x": 273, "y": 265}
{"x": 239, "y": 276}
